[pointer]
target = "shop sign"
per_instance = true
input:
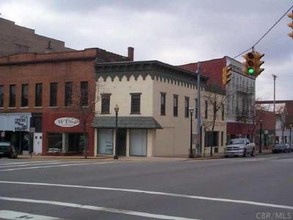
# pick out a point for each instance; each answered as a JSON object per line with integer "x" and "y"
{"x": 66, "y": 122}
{"x": 21, "y": 123}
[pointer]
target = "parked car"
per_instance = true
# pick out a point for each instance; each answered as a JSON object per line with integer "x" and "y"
{"x": 281, "y": 148}
{"x": 7, "y": 149}
{"x": 239, "y": 147}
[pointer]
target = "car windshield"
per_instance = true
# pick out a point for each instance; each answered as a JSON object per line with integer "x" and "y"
{"x": 237, "y": 141}
{"x": 280, "y": 145}
{"x": 4, "y": 146}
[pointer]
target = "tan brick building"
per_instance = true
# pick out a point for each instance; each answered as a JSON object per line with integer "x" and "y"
{"x": 17, "y": 39}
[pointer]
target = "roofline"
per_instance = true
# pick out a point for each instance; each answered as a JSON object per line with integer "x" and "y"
{"x": 154, "y": 64}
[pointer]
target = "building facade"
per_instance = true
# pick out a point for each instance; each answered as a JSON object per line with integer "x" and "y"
{"x": 50, "y": 96}
{"x": 16, "y": 39}
{"x": 240, "y": 93}
{"x": 154, "y": 119}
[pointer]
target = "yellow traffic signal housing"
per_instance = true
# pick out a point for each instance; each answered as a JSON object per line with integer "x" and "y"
{"x": 249, "y": 64}
{"x": 252, "y": 64}
{"x": 258, "y": 62}
{"x": 226, "y": 75}
{"x": 290, "y": 15}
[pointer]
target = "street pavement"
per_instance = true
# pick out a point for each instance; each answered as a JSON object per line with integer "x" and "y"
{"x": 160, "y": 188}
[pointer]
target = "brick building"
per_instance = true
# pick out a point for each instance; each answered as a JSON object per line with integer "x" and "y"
{"x": 50, "y": 95}
{"x": 17, "y": 39}
{"x": 240, "y": 93}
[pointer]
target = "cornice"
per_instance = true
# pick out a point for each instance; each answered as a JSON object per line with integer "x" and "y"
{"x": 155, "y": 69}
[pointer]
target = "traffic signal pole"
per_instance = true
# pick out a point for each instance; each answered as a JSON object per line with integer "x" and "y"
{"x": 198, "y": 111}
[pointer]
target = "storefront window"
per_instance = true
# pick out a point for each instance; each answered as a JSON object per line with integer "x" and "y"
{"x": 105, "y": 141}
{"x": 138, "y": 142}
{"x": 55, "y": 142}
{"x": 76, "y": 142}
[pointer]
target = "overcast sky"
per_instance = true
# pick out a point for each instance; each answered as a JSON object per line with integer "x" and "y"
{"x": 172, "y": 31}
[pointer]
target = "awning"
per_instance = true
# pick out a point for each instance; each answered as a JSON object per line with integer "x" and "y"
{"x": 125, "y": 122}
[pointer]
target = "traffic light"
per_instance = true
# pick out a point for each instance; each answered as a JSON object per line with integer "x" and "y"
{"x": 290, "y": 15}
{"x": 252, "y": 64}
{"x": 258, "y": 62}
{"x": 226, "y": 75}
{"x": 249, "y": 64}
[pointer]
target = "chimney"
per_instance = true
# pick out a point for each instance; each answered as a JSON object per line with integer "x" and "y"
{"x": 130, "y": 53}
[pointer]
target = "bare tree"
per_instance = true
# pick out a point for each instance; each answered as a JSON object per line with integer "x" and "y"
{"x": 215, "y": 98}
{"x": 84, "y": 100}
{"x": 282, "y": 115}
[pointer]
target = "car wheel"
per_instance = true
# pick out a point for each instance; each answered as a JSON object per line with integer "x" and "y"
{"x": 253, "y": 152}
{"x": 244, "y": 153}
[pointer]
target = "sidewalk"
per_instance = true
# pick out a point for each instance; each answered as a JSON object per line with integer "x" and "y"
{"x": 80, "y": 157}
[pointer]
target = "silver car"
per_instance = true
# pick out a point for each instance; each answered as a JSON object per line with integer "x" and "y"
{"x": 239, "y": 147}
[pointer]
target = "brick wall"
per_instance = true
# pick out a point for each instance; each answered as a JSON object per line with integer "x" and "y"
{"x": 16, "y": 39}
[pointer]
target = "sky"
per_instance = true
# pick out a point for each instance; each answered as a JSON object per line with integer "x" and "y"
{"x": 171, "y": 31}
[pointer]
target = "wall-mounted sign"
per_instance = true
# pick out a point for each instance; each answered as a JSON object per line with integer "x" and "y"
{"x": 66, "y": 122}
{"x": 15, "y": 121}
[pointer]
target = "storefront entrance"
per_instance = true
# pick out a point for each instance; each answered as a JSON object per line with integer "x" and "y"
{"x": 121, "y": 141}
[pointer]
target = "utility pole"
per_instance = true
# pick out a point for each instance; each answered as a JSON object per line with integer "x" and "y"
{"x": 198, "y": 111}
{"x": 274, "y": 76}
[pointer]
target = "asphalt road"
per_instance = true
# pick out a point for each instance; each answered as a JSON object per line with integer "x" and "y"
{"x": 232, "y": 188}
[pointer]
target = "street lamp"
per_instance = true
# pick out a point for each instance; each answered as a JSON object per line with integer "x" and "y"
{"x": 190, "y": 149}
{"x": 116, "y": 109}
{"x": 260, "y": 133}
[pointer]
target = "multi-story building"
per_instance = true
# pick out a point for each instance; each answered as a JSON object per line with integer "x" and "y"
{"x": 154, "y": 101}
{"x": 17, "y": 39}
{"x": 240, "y": 93}
{"x": 50, "y": 95}
{"x": 276, "y": 127}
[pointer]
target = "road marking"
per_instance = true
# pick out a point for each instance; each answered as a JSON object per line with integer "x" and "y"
{"x": 95, "y": 208}
{"x": 246, "y": 202}
{"x": 28, "y": 164}
{"x": 52, "y": 166}
{"x": 11, "y": 215}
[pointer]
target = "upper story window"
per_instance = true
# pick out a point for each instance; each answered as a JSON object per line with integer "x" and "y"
{"x": 12, "y": 95}
{"x": 215, "y": 109}
{"x": 196, "y": 108}
{"x": 105, "y": 104}
{"x": 186, "y": 107}
{"x": 24, "y": 95}
{"x": 163, "y": 103}
{"x": 223, "y": 112}
{"x": 38, "y": 94}
{"x": 135, "y": 103}
{"x": 206, "y": 109}
{"x": 53, "y": 94}
{"x": 68, "y": 94}
{"x": 1, "y": 96}
{"x": 84, "y": 93}
{"x": 175, "y": 105}
{"x": 21, "y": 48}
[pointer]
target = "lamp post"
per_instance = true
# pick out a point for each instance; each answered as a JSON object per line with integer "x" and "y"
{"x": 290, "y": 136}
{"x": 116, "y": 109}
{"x": 260, "y": 133}
{"x": 190, "y": 149}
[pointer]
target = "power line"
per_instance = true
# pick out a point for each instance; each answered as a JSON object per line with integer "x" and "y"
{"x": 266, "y": 32}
